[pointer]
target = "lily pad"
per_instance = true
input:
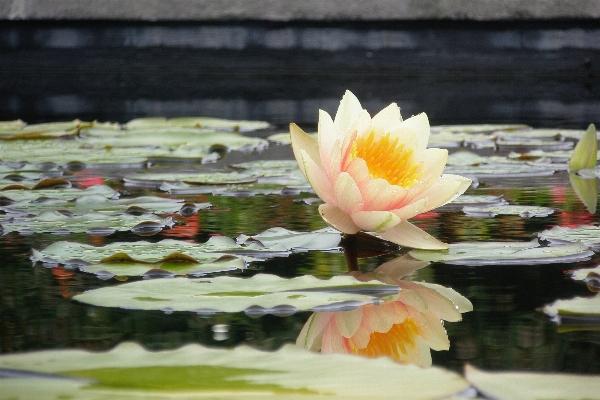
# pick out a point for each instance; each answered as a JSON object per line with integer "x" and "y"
{"x": 261, "y": 294}
{"x": 522, "y": 211}
{"x": 155, "y": 180}
{"x": 61, "y": 193}
{"x": 517, "y": 385}
{"x": 284, "y": 138}
{"x": 575, "y": 306}
{"x": 173, "y": 265}
{"x": 129, "y": 371}
{"x": 75, "y": 254}
{"x": 99, "y": 203}
{"x": 586, "y": 234}
{"x": 322, "y": 239}
{"x": 505, "y": 253}
{"x": 501, "y": 171}
{"x": 470, "y": 200}
{"x": 91, "y": 223}
{"x": 197, "y": 122}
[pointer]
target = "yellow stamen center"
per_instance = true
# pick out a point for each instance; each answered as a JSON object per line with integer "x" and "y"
{"x": 387, "y": 159}
{"x": 394, "y": 343}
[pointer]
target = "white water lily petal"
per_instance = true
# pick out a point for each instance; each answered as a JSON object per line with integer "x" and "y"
{"x": 375, "y": 221}
{"x": 348, "y": 322}
{"x": 317, "y": 179}
{"x": 327, "y": 138}
{"x": 338, "y": 219}
{"x": 412, "y": 209}
{"x": 406, "y": 234}
{"x": 347, "y": 194}
{"x": 389, "y": 118}
{"x": 347, "y": 112}
{"x": 302, "y": 141}
{"x": 420, "y": 124}
{"x": 378, "y": 194}
{"x": 444, "y": 190}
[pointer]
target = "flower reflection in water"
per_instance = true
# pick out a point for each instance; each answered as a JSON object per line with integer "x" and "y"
{"x": 404, "y": 327}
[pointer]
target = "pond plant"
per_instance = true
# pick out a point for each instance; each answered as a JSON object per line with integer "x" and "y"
{"x": 237, "y": 256}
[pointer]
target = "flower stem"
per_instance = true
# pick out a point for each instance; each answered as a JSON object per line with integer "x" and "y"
{"x": 350, "y": 252}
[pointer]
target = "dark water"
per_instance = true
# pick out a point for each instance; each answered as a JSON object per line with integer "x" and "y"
{"x": 505, "y": 331}
{"x": 544, "y": 74}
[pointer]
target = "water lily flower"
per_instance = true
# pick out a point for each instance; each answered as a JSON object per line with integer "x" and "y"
{"x": 375, "y": 173}
{"x": 404, "y": 328}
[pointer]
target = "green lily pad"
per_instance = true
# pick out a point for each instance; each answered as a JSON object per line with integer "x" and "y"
{"x": 575, "y": 306}
{"x": 99, "y": 203}
{"x": 261, "y": 294}
{"x": 65, "y": 194}
{"x": 538, "y": 133}
{"x": 129, "y": 147}
{"x": 72, "y": 253}
{"x": 284, "y": 138}
{"x": 91, "y": 223}
{"x": 468, "y": 200}
{"x": 155, "y": 180}
{"x": 522, "y": 211}
{"x": 588, "y": 235}
{"x": 505, "y": 253}
{"x": 322, "y": 239}
{"x": 173, "y": 265}
{"x": 197, "y": 122}
{"x": 131, "y": 372}
{"x": 524, "y": 145}
{"x": 501, "y": 171}
{"x": 518, "y": 385}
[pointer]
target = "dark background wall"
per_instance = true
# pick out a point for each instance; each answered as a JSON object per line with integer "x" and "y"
{"x": 540, "y": 72}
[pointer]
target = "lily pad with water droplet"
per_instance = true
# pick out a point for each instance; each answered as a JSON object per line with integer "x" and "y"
{"x": 521, "y": 385}
{"x": 130, "y": 372}
{"x": 522, "y": 211}
{"x": 92, "y": 223}
{"x": 260, "y": 294}
{"x": 505, "y": 253}
{"x": 322, "y": 239}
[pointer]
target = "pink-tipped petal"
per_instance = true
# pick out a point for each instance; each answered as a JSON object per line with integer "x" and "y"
{"x": 347, "y": 194}
{"x": 347, "y": 112}
{"x": 378, "y": 194}
{"x": 302, "y": 141}
{"x": 328, "y": 136}
{"x": 375, "y": 221}
{"x": 444, "y": 190}
{"x": 416, "y": 207}
{"x": 389, "y": 118}
{"x": 338, "y": 219}
{"x": 400, "y": 267}
{"x": 420, "y": 124}
{"x": 317, "y": 179}
{"x": 406, "y": 234}
{"x": 348, "y": 322}
{"x": 379, "y": 318}
{"x": 433, "y": 162}
{"x": 359, "y": 171}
